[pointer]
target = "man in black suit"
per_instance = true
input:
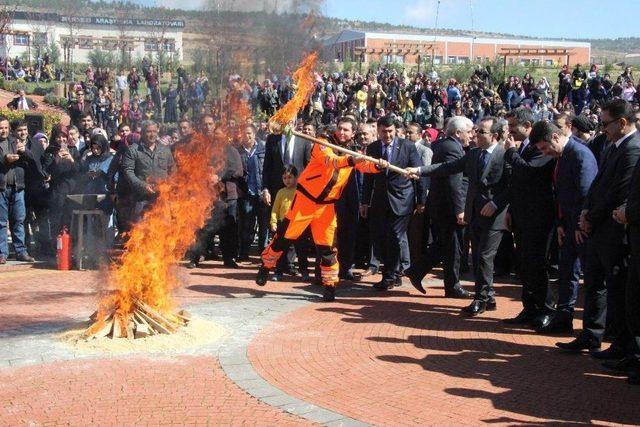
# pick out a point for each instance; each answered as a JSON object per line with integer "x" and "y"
{"x": 605, "y": 268}
{"x": 531, "y": 214}
{"x": 78, "y": 108}
{"x": 446, "y": 203}
{"x": 391, "y": 198}
{"x": 282, "y": 150}
{"x": 629, "y": 214}
{"x": 485, "y": 207}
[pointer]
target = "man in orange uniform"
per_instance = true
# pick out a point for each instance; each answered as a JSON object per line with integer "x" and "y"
{"x": 320, "y": 185}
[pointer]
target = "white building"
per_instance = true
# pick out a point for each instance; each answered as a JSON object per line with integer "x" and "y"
{"x": 79, "y": 35}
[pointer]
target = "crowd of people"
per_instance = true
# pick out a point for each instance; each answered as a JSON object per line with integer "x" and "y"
{"x": 496, "y": 179}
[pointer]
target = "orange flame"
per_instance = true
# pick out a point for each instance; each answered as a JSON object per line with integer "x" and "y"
{"x": 147, "y": 269}
{"x": 304, "y": 78}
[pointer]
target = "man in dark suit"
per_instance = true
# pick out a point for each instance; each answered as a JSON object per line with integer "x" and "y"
{"x": 575, "y": 171}
{"x": 78, "y": 108}
{"x": 446, "y": 203}
{"x": 605, "y": 268}
{"x": 531, "y": 214}
{"x": 485, "y": 207}
{"x": 630, "y": 214}
{"x": 282, "y": 150}
{"x": 21, "y": 102}
{"x": 391, "y": 198}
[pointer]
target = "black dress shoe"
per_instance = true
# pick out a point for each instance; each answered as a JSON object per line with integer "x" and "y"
{"x": 277, "y": 277}
{"x": 242, "y": 258}
{"x": 292, "y": 271}
{"x": 557, "y": 325}
{"x": 612, "y": 353}
{"x": 384, "y": 285}
{"x": 458, "y": 293}
{"x": 491, "y": 305}
{"x": 192, "y": 264}
{"x": 329, "y": 293}
{"x": 577, "y": 346}
{"x": 522, "y": 318}
{"x": 475, "y": 308}
{"x": 25, "y": 257}
{"x": 262, "y": 276}
{"x": 348, "y": 276}
{"x": 541, "y": 321}
{"x": 230, "y": 264}
{"x": 416, "y": 280}
{"x": 619, "y": 366}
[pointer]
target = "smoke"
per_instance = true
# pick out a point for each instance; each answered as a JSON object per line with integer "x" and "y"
{"x": 269, "y": 6}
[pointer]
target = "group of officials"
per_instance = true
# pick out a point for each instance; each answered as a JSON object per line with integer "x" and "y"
{"x": 559, "y": 196}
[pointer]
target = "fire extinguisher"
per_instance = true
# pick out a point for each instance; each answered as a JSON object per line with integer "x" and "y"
{"x": 63, "y": 245}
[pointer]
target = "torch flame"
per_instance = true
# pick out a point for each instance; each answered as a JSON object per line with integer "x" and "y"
{"x": 304, "y": 78}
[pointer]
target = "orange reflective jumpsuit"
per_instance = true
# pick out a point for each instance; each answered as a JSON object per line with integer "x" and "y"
{"x": 319, "y": 186}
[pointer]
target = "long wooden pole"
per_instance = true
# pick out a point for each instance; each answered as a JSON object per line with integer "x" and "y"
{"x": 343, "y": 150}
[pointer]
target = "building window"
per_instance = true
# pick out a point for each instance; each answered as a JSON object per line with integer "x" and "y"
{"x": 150, "y": 45}
{"x": 437, "y": 60}
{"x": 525, "y": 62}
{"x": 169, "y": 45}
{"x": 398, "y": 59}
{"x": 463, "y": 60}
{"x": 85, "y": 43}
{"x": 452, "y": 60}
{"x": 39, "y": 39}
{"x": 510, "y": 61}
{"x": 548, "y": 62}
{"x": 109, "y": 44}
{"x": 535, "y": 62}
{"x": 478, "y": 58}
{"x": 21, "y": 40}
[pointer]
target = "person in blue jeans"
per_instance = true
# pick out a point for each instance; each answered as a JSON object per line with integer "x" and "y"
{"x": 15, "y": 161}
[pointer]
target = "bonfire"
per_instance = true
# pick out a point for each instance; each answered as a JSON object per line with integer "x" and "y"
{"x": 142, "y": 280}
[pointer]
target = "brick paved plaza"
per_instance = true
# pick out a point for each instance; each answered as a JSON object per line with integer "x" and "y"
{"x": 285, "y": 358}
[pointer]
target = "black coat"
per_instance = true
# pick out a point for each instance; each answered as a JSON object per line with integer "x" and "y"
{"x": 492, "y": 186}
{"x": 447, "y": 194}
{"x": 391, "y": 188}
{"x": 633, "y": 211}
{"x": 611, "y": 186}
{"x": 531, "y": 200}
{"x": 21, "y": 168}
{"x": 274, "y": 166}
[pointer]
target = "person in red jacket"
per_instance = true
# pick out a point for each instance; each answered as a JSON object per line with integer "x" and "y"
{"x": 320, "y": 185}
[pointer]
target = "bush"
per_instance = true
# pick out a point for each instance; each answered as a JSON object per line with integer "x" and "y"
{"x": 51, "y": 99}
{"x": 51, "y": 119}
{"x": 41, "y": 91}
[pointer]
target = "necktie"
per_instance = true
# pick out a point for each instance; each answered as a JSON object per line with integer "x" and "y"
{"x": 385, "y": 152}
{"x": 483, "y": 160}
{"x": 286, "y": 158}
{"x": 607, "y": 154}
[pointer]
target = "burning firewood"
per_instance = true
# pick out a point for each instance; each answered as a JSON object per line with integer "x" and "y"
{"x": 142, "y": 322}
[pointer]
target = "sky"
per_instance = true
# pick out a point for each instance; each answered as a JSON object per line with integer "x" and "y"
{"x": 537, "y": 18}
